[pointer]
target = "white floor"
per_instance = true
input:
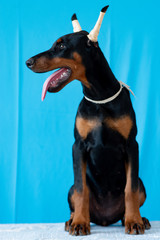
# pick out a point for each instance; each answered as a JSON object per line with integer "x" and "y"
{"x": 56, "y": 232}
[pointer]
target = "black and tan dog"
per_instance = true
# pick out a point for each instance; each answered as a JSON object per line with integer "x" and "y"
{"x": 105, "y": 153}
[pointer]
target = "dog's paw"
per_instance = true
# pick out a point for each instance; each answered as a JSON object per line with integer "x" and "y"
{"x": 67, "y": 225}
{"x": 146, "y": 223}
{"x": 134, "y": 228}
{"x": 79, "y": 229}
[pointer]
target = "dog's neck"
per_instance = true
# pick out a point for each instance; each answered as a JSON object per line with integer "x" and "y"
{"x": 103, "y": 83}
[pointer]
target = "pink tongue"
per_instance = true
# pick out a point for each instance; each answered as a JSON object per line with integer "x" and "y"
{"x": 54, "y": 76}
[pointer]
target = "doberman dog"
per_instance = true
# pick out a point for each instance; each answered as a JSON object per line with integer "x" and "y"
{"x": 105, "y": 153}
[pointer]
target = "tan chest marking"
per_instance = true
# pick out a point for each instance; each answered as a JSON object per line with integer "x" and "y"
{"x": 122, "y": 125}
{"x": 85, "y": 126}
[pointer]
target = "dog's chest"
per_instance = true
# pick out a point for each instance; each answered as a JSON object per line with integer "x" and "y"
{"x": 98, "y": 128}
{"x": 105, "y": 140}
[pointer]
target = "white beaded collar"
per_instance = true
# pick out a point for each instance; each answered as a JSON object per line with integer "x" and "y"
{"x": 110, "y": 98}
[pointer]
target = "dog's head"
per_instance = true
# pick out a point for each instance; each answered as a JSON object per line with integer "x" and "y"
{"x": 71, "y": 54}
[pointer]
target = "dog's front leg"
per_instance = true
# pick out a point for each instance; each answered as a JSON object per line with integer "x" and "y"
{"x": 133, "y": 220}
{"x": 80, "y": 199}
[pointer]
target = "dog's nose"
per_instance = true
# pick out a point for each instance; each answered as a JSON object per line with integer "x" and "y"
{"x": 30, "y": 62}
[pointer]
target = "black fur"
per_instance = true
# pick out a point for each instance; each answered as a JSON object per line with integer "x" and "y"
{"x": 105, "y": 9}
{"x": 74, "y": 17}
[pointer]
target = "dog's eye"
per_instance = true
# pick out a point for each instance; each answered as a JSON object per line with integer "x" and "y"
{"x": 61, "y": 46}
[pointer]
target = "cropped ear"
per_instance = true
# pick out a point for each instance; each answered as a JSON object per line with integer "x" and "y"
{"x": 89, "y": 43}
{"x": 75, "y": 23}
{"x": 93, "y": 35}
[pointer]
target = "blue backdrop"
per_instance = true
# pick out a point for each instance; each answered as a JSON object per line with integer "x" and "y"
{"x": 36, "y": 137}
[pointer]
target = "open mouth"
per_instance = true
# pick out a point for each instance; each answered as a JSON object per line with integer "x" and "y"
{"x": 55, "y": 80}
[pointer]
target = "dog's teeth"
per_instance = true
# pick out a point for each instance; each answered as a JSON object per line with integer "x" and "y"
{"x": 63, "y": 74}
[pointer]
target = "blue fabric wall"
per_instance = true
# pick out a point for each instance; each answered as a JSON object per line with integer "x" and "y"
{"x": 36, "y": 137}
